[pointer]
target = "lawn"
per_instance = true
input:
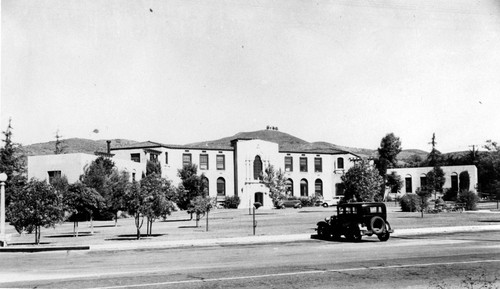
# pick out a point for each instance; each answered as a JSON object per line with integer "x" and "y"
{"x": 237, "y": 223}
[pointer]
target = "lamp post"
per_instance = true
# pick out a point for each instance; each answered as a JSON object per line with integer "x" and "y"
{"x": 3, "y": 178}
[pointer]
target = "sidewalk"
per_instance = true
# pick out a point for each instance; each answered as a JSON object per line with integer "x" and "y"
{"x": 247, "y": 240}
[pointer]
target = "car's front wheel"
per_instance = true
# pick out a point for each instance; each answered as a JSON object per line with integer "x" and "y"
{"x": 354, "y": 235}
{"x": 325, "y": 205}
{"x": 384, "y": 237}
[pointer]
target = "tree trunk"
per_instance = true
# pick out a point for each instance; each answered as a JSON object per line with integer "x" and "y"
{"x": 91, "y": 224}
{"x": 116, "y": 219}
{"x": 151, "y": 228}
{"x": 138, "y": 224}
{"x": 36, "y": 235}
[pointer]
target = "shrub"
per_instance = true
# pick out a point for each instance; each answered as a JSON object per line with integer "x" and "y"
{"x": 469, "y": 199}
{"x": 231, "y": 202}
{"x": 308, "y": 201}
{"x": 450, "y": 195}
{"x": 410, "y": 203}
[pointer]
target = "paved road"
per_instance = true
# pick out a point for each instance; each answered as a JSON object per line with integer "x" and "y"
{"x": 433, "y": 261}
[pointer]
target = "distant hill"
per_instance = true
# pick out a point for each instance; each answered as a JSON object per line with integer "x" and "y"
{"x": 74, "y": 145}
{"x": 286, "y": 142}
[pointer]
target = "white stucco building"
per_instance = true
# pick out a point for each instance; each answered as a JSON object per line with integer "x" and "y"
{"x": 233, "y": 168}
{"x": 415, "y": 178}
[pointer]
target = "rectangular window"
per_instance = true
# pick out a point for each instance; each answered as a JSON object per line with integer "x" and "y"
{"x": 340, "y": 163}
{"x": 203, "y": 162}
{"x": 53, "y": 175}
{"x": 303, "y": 164}
{"x": 288, "y": 164}
{"x": 408, "y": 185}
{"x": 166, "y": 158}
{"x": 186, "y": 159}
{"x": 153, "y": 157}
{"x": 318, "y": 165}
{"x": 135, "y": 158}
{"x": 221, "y": 164}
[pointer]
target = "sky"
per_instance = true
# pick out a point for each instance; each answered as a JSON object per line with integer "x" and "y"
{"x": 173, "y": 71}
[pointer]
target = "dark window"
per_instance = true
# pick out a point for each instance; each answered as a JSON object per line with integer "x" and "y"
{"x": 53, "y": 175}
{"x": 257, "y": 168}
{"x": 454, "y": 182}
{"x": 221, "y": 164}
{"x": 288, "y": 164}
{"x": 135, "y": 157}
{"x": 166, "y": 157}
{"x": 318, "y": 165}
{"x": 423, "y": 181}
{"x": 153, "y": 157}
{"x": 203, "y": 162}
{"x": 289, "y": 187}
{"x": 340, "y": 163}
{"x": 205, "y": 185}
{"x": 303, "y": 164}
{"x": 408, "y": 184}
{"x": 339, "y": 189}
{"x": 221, "y": 187}
{"x": 186, "y": 159}
{"x": 303, "y": 188}
{"x": 318, "y": 187}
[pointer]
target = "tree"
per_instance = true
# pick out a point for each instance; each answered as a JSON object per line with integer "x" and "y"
{"x": 118, "y": 187}
{"x": 435, "y": 158}
{"x": 153, "y": 167}
{"x": 464, "y": 181}
{"x": 82, "y": 201}
{"x": 200, "y": 206}
{"x": 60, "y": 148}
{"x": 97, "y": 176}
{"x": 191, "y": 186}
{"x": 414, "y": 160}
{"x": 394, "y": 182}
{"x": 424, "y": 196}
{"x": 390, "y": 147}
{"x": 12, "y": 163}
{"x": 362, "y": 182}
{"x": 36, "y": 205}
{"x": 275, "y": 181}
{"x": 135, "y": 201}
{"x": 435, "y": 180}
{"x": 489, "y": 169}
{"x": 156, "y": 190}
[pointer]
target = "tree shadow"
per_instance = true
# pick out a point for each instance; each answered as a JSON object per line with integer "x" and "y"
{"x": 28, "y": 244}
{"x": 188, "y": 227}
{"x": 130, "y": 237}
{"x": 70, "y": 235}
{"x": 489, "y": 221}
{"x": 181, "y": 220}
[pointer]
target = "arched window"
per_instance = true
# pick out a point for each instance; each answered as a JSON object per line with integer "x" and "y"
{"x": 408, "y": 184}
{"x": 318, "y": 187}
{"x": 257, "y": 168}
{"x": 205, "y": 184}
{"x": 303, "y": 188}
{"x": 454, "y": 182}
{"x": 340, "y": 163}
{"x": 289, "y": 187}
{"x": 221, "y": 187}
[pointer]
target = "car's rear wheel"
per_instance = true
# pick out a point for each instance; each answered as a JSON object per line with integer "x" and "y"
{"x": 377, "y": 225}
{"x": 384, "y": 237}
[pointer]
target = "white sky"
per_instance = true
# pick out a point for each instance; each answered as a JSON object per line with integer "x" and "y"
{"x": 346, "y": 72}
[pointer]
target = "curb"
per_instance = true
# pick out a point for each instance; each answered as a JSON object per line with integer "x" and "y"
{"x": 42, "y": 249}
{"x": 248, "y": 240}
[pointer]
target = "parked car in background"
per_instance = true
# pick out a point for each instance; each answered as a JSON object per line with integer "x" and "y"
{"x": 329, "y": 203}
{"x": 289, "y": 203}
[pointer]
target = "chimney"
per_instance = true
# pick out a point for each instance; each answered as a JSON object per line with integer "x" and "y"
{"x": 108, "y": 142}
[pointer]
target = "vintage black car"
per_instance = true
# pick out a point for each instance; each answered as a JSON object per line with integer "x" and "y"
{"x": 354, "y": 220}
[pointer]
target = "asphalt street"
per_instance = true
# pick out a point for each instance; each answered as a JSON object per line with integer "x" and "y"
{"x": 422, "y": 261}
